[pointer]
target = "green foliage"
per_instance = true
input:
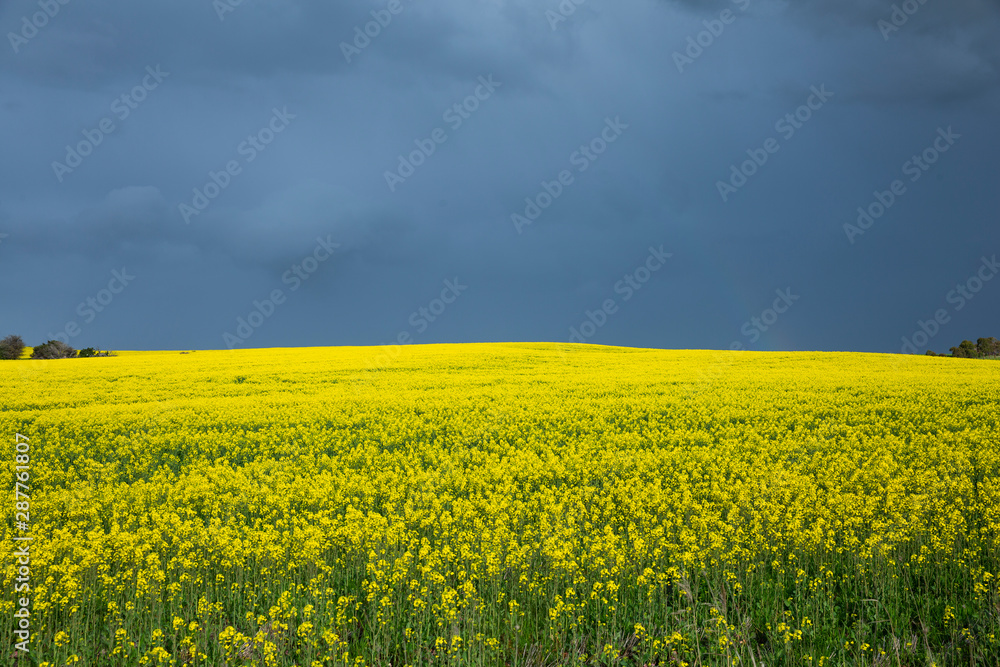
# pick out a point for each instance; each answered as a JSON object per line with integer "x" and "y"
{"x": 983, "y": 348}
{"x": 965, "y": 350}
{"x": 988, "y": 347}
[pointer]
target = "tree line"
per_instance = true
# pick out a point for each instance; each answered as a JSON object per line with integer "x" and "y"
{"x": 983, "y": 348}
{"x": 12, "y": 347}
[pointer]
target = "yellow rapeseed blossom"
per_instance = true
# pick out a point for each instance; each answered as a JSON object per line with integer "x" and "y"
{"x": 502, "y": 503}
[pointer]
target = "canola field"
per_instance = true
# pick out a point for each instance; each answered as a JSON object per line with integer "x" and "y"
{"x": 502, "y": 504}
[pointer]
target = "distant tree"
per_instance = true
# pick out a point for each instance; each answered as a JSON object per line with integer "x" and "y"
{"x": 87, "y": 352}
{"x": 53, "y": 349}
{"x": 930, "y": 353}
{"x": 983, "y": 348}
{"x": 11, "y": 347}
{"x": 965, "y": 350}
{"x": 988, "y": 347}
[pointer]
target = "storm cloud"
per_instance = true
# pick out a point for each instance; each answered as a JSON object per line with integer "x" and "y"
{"x": 536, "y": 153}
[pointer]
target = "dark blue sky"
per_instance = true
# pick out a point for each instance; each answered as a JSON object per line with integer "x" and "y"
{"x": 652, "y": 173}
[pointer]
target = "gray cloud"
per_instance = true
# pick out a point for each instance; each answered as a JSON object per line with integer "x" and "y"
{"x": 324, "y": 175}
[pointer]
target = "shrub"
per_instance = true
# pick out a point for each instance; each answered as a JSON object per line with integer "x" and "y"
{"x": 53, "y": 349}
